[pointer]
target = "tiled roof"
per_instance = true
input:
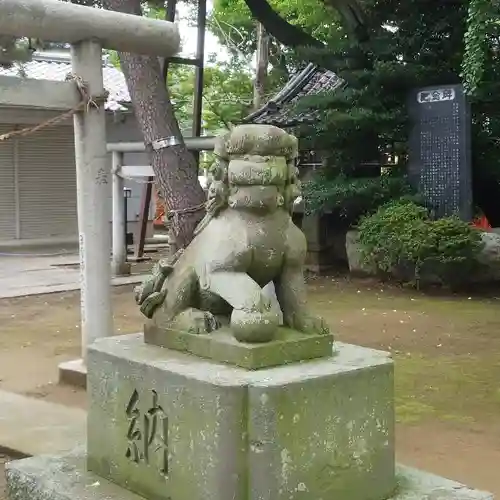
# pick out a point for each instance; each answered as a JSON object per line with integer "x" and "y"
{"x": 280, "y": 110}
{"x": 56, "y": 65}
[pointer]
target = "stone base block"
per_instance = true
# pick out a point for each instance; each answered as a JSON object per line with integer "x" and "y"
{"x": 73, "y": 373}
{"x": 67, "y": 477}
{"x": 288, "y": 347}
{"x": 120, "y": 268}
{"x": 173, "y": 426}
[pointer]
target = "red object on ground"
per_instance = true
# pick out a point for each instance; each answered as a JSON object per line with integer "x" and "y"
{"x": 482, "y": 223}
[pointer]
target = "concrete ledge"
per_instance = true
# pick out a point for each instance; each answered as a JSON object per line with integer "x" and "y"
{"x": 414, "y": 484}
{"x": 73, "y": 373}
{"x": 30, "y": 426}
{"x": 67, "y": 478}
{"x": 59, "y": 478}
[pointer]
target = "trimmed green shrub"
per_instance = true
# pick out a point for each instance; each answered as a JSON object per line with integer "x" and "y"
{"x": 402, "y": 240}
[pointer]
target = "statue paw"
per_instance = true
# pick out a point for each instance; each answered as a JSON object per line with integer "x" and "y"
{"x": 311, "y": 324}
{"x": 151, "y": 302}
{"x": 195, "y": 321}
{"x": 254, "y": 326}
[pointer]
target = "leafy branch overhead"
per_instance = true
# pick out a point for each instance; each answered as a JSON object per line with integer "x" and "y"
{"x": 483, "y": 15}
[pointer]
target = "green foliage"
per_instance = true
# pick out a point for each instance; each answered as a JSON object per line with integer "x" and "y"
{"x": 415, "y": 43}
{"x": 481, "y": 16}
{"x": 232, "y": 23}
{"x": 232, "y": 19}
{"x": 411, "y": 44}
{"x": 400, "y": 236}
{"x": 352, "y": 198}
{"x": 227, "y": 94}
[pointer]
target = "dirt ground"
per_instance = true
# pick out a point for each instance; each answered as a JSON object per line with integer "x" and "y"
{"x": 446, "y": 349}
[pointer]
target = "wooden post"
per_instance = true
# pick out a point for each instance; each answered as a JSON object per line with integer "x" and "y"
{"x": 93, "y": 188}
{"x": 119, "y": 264}
{"x": 140, "y": 233}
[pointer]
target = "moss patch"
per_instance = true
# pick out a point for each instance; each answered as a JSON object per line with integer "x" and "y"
{"x": 444, "y": 346}
{"x": 451, "y": 388}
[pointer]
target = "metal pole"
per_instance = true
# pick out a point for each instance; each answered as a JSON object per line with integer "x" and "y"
{"x": 93, "y": 183}
{"x": 205, "y": 143}
{"x": 125, "y": 211}
{"x": 198, "y": 88}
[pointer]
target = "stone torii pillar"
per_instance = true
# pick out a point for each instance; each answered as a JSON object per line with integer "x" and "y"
{"x": 89, "y": 30}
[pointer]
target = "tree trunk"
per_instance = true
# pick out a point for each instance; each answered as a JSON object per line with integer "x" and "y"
{"x": 259, "y": 88}
{"x": 174, "y": 167}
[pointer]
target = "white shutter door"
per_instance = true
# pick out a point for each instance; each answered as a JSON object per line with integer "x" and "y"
{"x": 7, "y": 187}
{"x": 47, "y": 184}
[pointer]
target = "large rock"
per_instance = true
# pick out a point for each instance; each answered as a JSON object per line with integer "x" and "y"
{"x": 490, "y": 256}
{"x": 354, "y": 255}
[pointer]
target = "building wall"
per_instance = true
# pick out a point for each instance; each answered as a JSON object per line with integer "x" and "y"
{"x": 38, "y": 177}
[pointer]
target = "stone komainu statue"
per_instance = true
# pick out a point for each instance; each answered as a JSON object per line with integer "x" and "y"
{"x": 246, "y": 241}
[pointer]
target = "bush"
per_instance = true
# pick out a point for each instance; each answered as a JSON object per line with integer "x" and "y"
{"x": 401, "y": 239}
{"x": 352, "y": 198}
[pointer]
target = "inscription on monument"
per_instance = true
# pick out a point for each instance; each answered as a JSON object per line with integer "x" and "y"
{"x": 446, "y": 94}
{"x": 147, "y": 433}
{"x": 439, "y": 162}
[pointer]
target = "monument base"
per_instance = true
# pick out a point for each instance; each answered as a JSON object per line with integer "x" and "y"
{"x": 66, "y": 477}
{"x": 121, "y": 268}
{"x": 73, "y": 373}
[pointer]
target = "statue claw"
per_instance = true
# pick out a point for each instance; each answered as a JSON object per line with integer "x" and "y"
{"x": 310, "y": 324}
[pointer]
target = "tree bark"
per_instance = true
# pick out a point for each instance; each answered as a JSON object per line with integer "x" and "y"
{"x": 175, "y": 167}
{"x": 259, "y": 88}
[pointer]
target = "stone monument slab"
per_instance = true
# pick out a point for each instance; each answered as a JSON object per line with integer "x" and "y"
{"x": 173, "y": 426}
{"x": 440, "y": 150}
{"x": 287, "y": 347}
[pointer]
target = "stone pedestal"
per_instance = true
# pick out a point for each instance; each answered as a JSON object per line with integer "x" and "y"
{"x": 169, "y": 425}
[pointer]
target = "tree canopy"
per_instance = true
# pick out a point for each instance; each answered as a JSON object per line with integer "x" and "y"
{"x": 411, "y": 44}
{"x": 481, "y": 41}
